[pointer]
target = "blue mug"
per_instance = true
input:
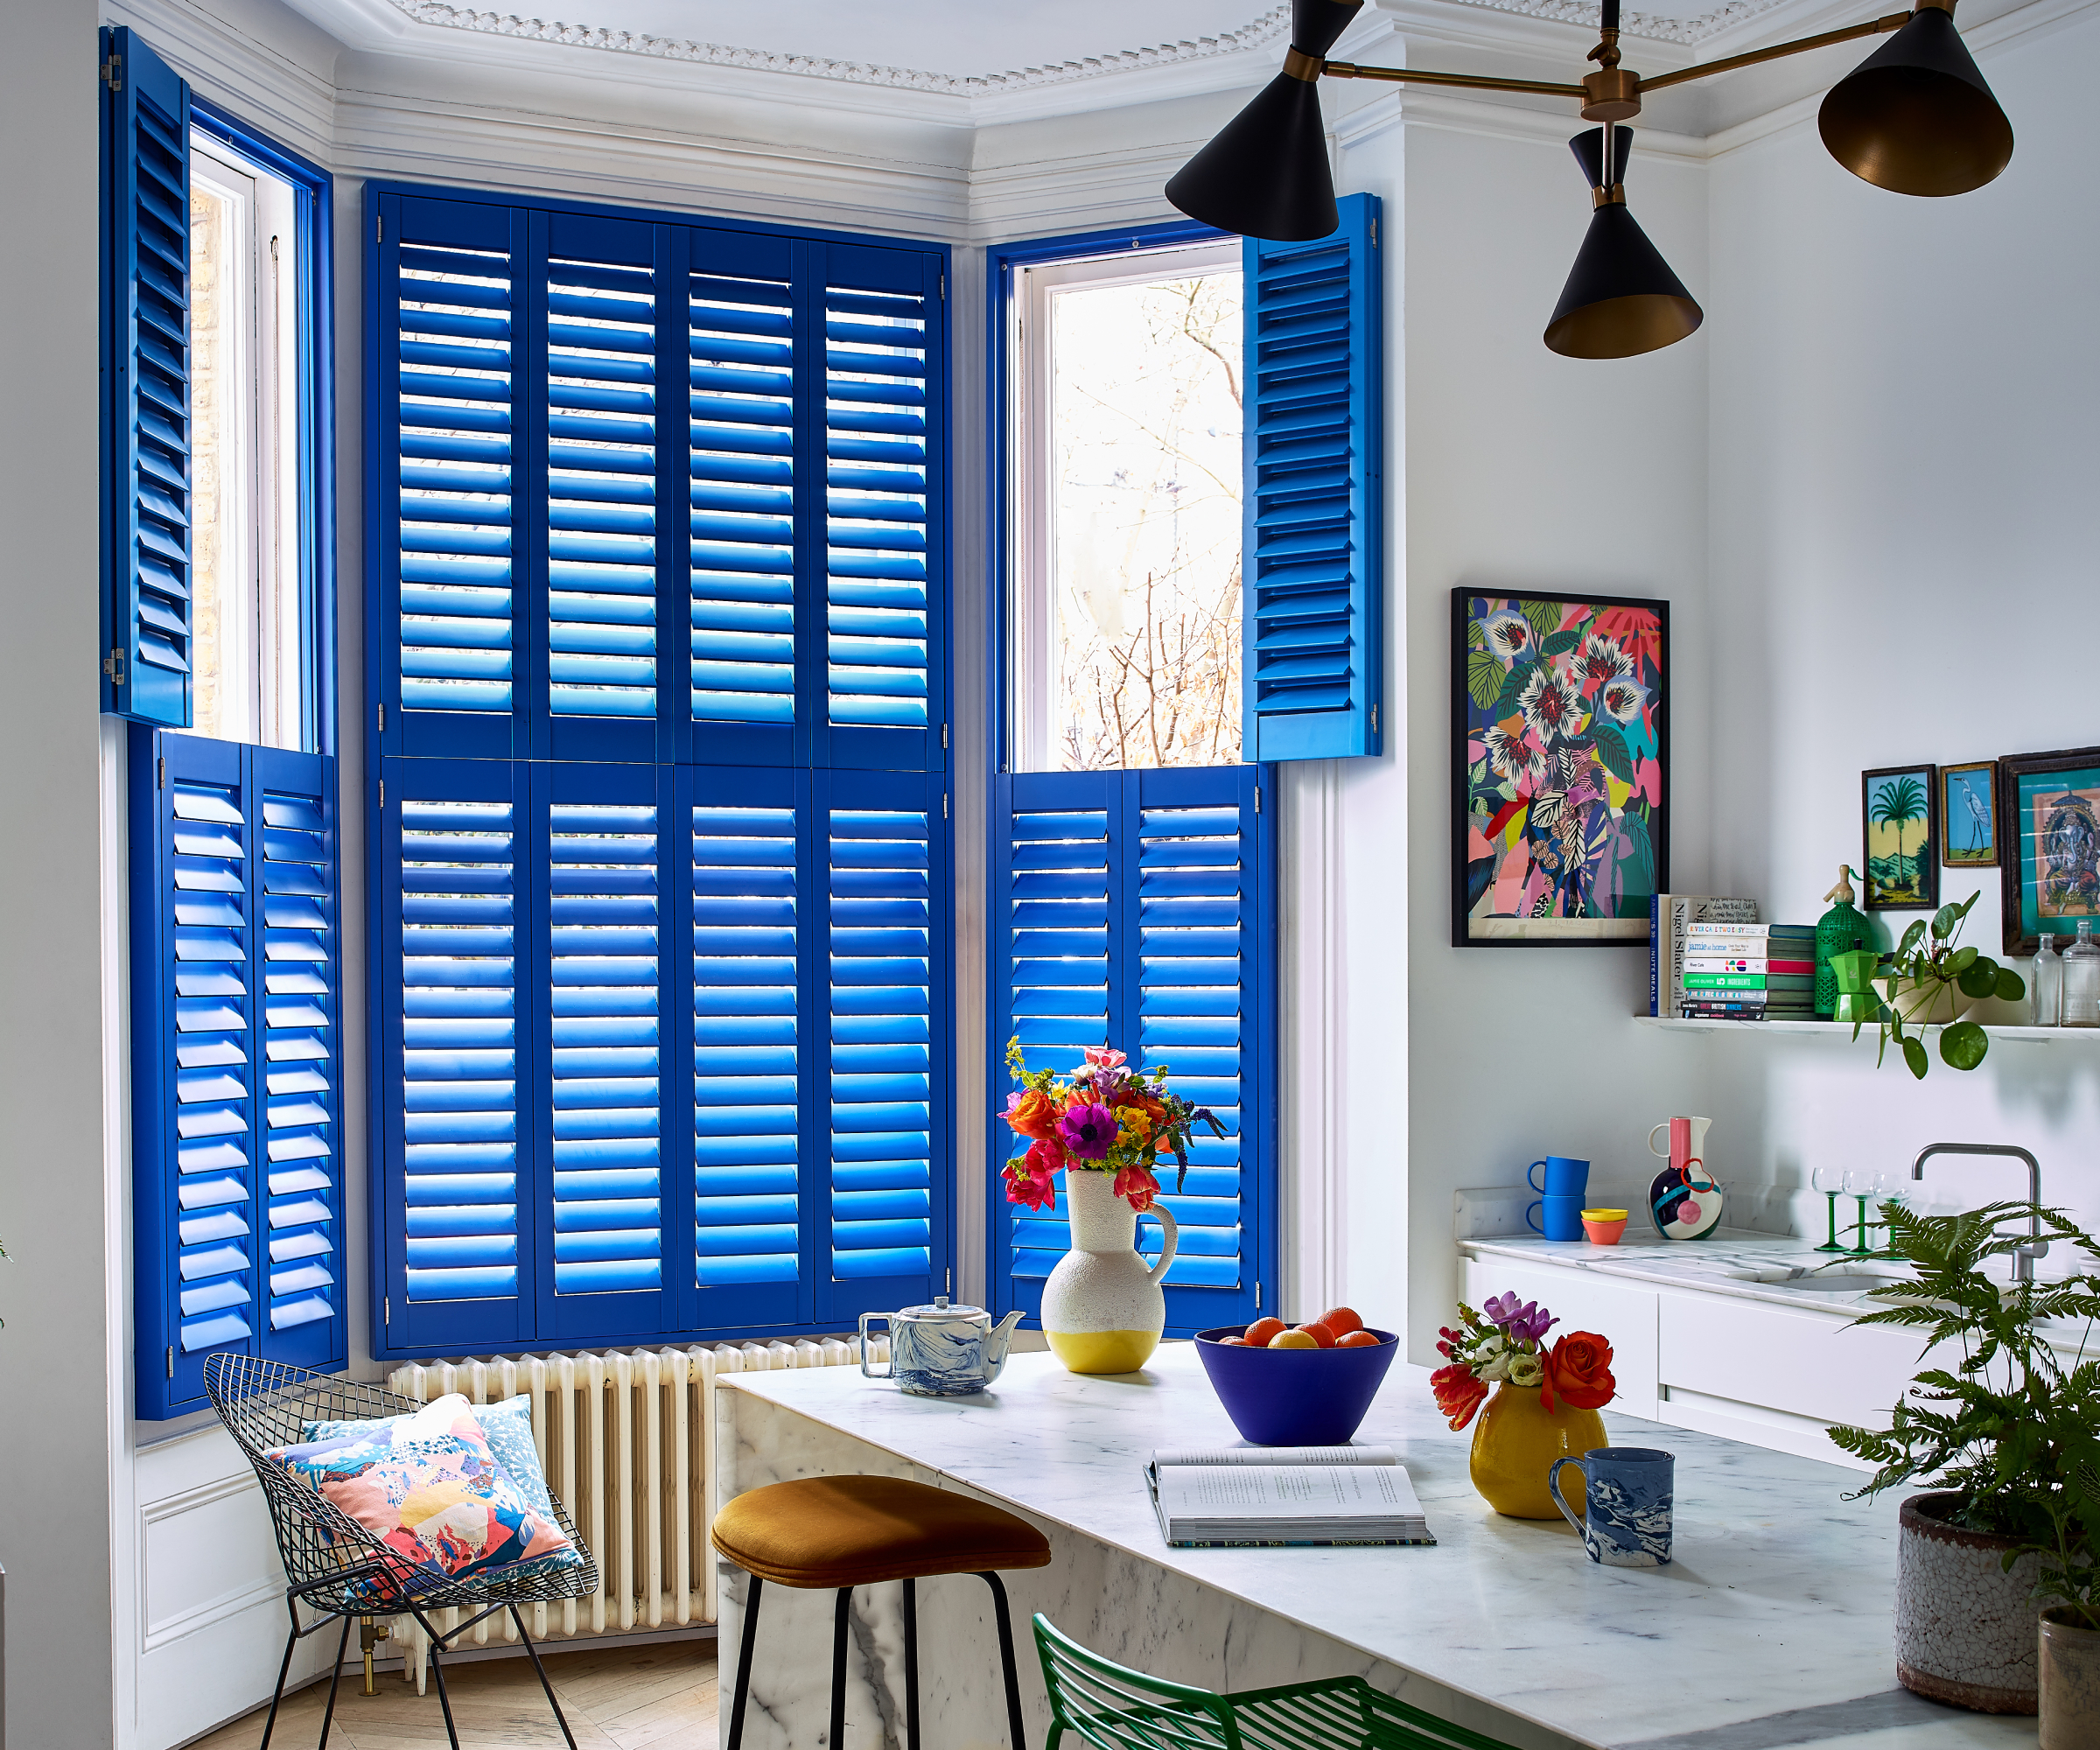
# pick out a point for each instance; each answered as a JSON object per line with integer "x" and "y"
{"x": 1565, "y": 1178}
{"x": 1629, "y": 1501}
{"x": 1562, "y": 1219}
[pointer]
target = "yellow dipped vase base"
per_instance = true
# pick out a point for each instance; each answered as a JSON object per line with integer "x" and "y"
{"x": 1514, "y": 1445}
{"x": 1104, "y": 1351}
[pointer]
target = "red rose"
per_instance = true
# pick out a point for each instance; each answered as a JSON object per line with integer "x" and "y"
{"x": 1458, "y": 1393}
{"x": 1579, "y": 1372}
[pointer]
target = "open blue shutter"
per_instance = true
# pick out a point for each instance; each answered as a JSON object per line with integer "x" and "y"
{"x": 146, "y": 607}
{"x": 236, "y": 1061}
{"x": 1136, "y": 909}
{"x": 883, "y": 855}
{"x": 1313, "y": 551}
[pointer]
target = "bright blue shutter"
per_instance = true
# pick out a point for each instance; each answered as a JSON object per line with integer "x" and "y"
{"x": 1135, "y": 909}
{"x": 883, "y": 855}
{"x": 448, "y": 526}
{"x": 236, "y": 1061}
{"x": 884, "y": 332}
{"x": 754, "y": 922}
{"x": 744, "y": 429}
{"x": 146, "y": 611}
{"x": 1313, "y": 664}
{"x": 456, "y": 1140}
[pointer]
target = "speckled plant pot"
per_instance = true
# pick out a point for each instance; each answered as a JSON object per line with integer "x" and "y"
{"x": 1965, "y": 1627}
{"x": 2070, "y": 1685}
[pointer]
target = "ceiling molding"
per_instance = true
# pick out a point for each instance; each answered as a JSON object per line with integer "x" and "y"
{"x": 1256, "y": 33}
{"x": 1653, "y": 26}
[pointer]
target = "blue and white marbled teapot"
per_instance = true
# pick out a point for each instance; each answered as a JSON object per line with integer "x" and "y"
{"x": 941, "y": 1351}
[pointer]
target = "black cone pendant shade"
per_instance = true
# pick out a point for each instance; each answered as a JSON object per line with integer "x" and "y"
{"x": 1266, "y": 174}
{"x": 1915, "y": 115}
{"x": 1620, "y": 299}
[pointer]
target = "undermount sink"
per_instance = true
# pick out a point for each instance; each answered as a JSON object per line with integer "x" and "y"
{"x": 1811, "y": 1281}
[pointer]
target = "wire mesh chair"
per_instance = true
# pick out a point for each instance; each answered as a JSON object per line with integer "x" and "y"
{"x": 1112, "y": 1708}
{"x": 334, "y": 1566}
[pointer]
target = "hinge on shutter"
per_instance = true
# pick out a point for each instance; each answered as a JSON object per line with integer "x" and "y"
{"x": 171, "y": 1360}
{"x": 944, "y": 287}
{"x": 113, "y": 76}
{"x": 378, "y": 227}
{"x": 944, "y": 805}
{"x": 944, "y": 737}
{"x": 113, "y": 666}
{"x": 1257, "y": 799}
{"x": 386, "y": 1310}
{"x": 383, "y": 716}
{"x": 1374, "y": 719}
{"x": 951, "y": 1282}
{"x": 1257, "y": 1294}
{"x": 1373, "y": 233}
{"x": 383, "y": 792}
{"x": 160, "y": 781}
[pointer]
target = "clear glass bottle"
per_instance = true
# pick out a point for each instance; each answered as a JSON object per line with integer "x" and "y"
{"x": 2082, "y": 979}
{"x": 2047, "y": 981}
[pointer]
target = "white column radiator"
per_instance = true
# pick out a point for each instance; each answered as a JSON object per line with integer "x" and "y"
{"x": 627, "y": 1441}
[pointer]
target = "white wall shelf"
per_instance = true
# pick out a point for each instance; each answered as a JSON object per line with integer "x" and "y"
{"x": 1843, "y": 1030}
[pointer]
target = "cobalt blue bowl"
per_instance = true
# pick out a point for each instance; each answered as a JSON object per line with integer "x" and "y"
{"x": 1295, "y": 1397}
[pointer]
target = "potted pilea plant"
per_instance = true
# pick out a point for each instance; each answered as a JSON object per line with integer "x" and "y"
{"x": 2004, "y": 1432}
{"x": 1930, "y": 981}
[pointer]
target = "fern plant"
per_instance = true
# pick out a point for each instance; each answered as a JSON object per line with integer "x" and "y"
{"x": 2010, "y": 1426}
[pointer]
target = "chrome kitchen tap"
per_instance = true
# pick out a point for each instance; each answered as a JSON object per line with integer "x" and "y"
{"x": 2023, "y": 1260}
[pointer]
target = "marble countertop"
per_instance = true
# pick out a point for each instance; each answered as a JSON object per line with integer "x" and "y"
{"x": 1727, "y": 1265}
{"x": 1772, "y": 1627}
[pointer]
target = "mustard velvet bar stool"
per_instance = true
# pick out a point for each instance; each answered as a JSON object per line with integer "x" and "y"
{"x": 835, "y": 1533}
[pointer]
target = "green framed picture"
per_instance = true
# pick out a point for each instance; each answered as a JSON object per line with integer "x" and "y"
{"x": 1969, "y": 815}
{"x": 2048, "y": 825}
{"x": 1899, "y": 830}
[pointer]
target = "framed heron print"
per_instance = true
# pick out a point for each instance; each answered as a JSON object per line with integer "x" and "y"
{"x": 1969, "y": 815}
{"x": 1560, "y": 752}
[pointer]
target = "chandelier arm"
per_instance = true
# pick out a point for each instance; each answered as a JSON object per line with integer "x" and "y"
{"x": 1348, "y": 69}
{"x": 1874, "y": 27}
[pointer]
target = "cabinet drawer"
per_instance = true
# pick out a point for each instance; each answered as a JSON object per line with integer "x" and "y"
{"x": 1621, "y": 1314}
{"x": 1806, "y": 1365}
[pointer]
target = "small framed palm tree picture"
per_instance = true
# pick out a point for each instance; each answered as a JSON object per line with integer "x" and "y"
{"x": 1969, "y": 815}
{"x": 1901, "y": 831}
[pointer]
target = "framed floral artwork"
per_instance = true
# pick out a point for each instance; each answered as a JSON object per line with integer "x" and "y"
{"x": 1900, "y": 826}
{"x": 1969, "y": 815}
{"x": 1560, "y": 755}
{"x": 2049, "y": 835}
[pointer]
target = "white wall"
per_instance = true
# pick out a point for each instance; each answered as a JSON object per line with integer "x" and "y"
{"x": 1904, "y": 524}
{"x": 61, "y": 1378}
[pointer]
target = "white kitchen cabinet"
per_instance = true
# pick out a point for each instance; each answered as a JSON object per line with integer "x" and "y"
{"x": 1623, "y": 1313}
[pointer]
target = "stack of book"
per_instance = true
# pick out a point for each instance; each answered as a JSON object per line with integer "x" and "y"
{"x": 1671, "y": 919}
{"x": 1749, "y": 972}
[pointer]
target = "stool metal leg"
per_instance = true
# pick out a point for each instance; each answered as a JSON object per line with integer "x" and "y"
{"x": 911, "y": 1665}
{"x": 750, "y": 1636}
{"x": 838, "y": 1667}
{"x": 1013, "y": 1682}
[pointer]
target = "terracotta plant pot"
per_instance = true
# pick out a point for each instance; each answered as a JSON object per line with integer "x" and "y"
{"x": 2070, "y": 1683}
{"x": 1965, "y": 1627}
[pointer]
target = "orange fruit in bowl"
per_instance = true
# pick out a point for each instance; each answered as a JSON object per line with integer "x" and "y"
{"x": 1259, "y": 1335}
{"x": 1319, "y": 1334}
{"x": 1341, "y": 1320}
{"x": 1300, "y": 1339}
{"x": 1233, "y": 1342}
{"x": 1358, "y": 1339}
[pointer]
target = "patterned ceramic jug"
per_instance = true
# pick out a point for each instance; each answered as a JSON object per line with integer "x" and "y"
{"x": 941, "y": 1351}
{"x": 1103, "y": 1306}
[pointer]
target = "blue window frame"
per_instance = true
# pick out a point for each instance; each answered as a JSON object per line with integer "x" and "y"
{"x": 236, "y": 1058}
{"x": 662, "y": 897}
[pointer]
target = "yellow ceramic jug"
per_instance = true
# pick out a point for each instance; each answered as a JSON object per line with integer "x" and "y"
{"x": 1515, "y": 1444}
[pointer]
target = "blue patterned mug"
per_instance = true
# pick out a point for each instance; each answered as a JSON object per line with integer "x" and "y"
{"x": 1629, "y": 1500}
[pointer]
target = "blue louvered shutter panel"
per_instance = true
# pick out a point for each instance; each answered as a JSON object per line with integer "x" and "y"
{"x": 883, "y": 855}
{"x": 448, "y": 497}
{"x": 1312, "y": 666}
{"x": 754, "y": 926}
{"x": 749, "y": 434}
{"x": 456, "y": 1141}
{"x": 145, "y": 358}
{"x": 236, "y": 1061}
{"x": 1136, "y": 909}
{"x": 884, "y": 338}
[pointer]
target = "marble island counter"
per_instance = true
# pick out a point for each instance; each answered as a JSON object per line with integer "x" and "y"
{"x": 1771, "y": 1628}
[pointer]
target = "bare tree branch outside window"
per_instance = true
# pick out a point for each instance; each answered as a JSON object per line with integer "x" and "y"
{"x": 1145, "y": 445}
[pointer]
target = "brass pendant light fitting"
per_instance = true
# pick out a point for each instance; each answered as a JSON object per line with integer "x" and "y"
{"x": 1915, "y": 117}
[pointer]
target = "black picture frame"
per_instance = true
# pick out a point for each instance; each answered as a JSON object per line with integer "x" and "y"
{"x": 1651, "y": 674}
{"x": 2021, "y": 840}
{"x": 1925, "y": 896}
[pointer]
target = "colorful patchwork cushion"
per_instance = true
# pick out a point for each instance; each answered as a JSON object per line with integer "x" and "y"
{"x": 508, "y": 1428}
{"x": 429, "y": 1488}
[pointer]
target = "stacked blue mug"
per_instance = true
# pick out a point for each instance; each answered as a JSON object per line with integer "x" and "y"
{"x": 1557, "y": 1215}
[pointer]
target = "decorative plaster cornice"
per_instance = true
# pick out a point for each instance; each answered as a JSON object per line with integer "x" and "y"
{"x": 1651, "y": 26}
{"x": 1258, "y": 34}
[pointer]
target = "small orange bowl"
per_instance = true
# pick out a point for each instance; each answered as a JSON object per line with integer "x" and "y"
{"x": 1604, "y": 1226}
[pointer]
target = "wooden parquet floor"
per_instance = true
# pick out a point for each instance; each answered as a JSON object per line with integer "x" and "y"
{"x": 653, "y": 1698}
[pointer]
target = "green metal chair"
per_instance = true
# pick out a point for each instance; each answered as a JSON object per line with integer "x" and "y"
{"x": 1111, "y": 1708}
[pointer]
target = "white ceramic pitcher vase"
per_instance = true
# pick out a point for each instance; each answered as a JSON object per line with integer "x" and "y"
{"x": 1103, "y": 1306}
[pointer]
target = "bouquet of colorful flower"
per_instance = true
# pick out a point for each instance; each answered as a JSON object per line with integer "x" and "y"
{"x": 1505, "y": 1340}
{"x": 1103, "y": 1118}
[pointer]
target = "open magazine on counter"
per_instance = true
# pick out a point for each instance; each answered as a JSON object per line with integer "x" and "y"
{"x": 1256, "y": 1497}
